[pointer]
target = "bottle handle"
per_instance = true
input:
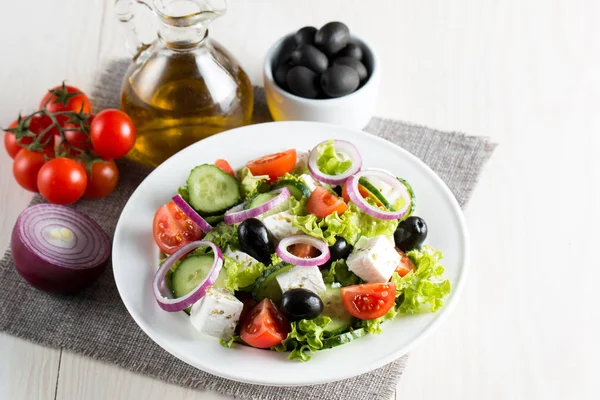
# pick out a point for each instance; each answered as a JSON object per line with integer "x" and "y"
{"x": 126, "y": 15}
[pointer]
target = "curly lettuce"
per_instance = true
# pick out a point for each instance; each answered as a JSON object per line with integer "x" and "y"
{"x": 423, "y": 289}
{"x": 183, "y": 192}
{"x": 330, "y": 161}
{"x": 224, "y": 236}
{"x": 339, "y": 272}
{"x": 241, "y": 274}
{"x": 250, "y": 184}
{"x": 305, "y": 337}
{"x": 374, "y": 326}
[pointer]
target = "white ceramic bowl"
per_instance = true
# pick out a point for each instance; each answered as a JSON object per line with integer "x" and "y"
{"x": 351, "y": 111}
{"x": 135, "y": 258}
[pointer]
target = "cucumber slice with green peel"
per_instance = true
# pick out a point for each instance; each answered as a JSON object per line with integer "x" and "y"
{"x": 212, "y": 190}
{"x": 262, "y": 198}
{"x": 375, "y": 192}
{"x": 191, "y": 272}
{"x": 411, "y": 192}
{"x": 296, "y": 188}
{"x": 266, "y": 285}
{"x": 333, "y": 307}
{"x": 343, "y": 338}
{"x": 214, "y": 219}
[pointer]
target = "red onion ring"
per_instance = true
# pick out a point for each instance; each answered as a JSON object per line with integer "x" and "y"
{"x": 237, "y": 214}
{"x": 373, "y": 211}
{"x": 343, "y": 147}
{"x": 163, "y": 295}
{"x": 192, "y": 214}
{"x": 286, "y": 256}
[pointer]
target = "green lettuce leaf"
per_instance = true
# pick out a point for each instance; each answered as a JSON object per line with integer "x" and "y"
{"x": 305, "y": 337}
{"x": 229, "y": 343}
{"x": 183, "y": 192}
{"x": 250, "y": 184}
{"x": 298, "y": 207}
{"x": 338, "y": 272}
{"x": 423, "y": 289}
{"x": 239, "y": 274}
{"x": 351, "y": 225}
{"x": 374, "y": 325}
{"x": 330, "y": 161}
{"x": 290, "y": 177}
{"x": 224, "y": 236}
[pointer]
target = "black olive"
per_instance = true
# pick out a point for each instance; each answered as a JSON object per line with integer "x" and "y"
{"x": 338, "y": 190}
{"x": 309, "y": 56}
{"x": 332, "y": 37}
{"x": 351, "y": 50}
{"x": 410, "y": 234}
{"x": 305, "y": 35}
{"x": 285, "y": 52}
{"x": 339, "y": 80}
{"x": 303, "y": 82}
{"x": 299, "y": 303}
{"x": 353, "y": 63}
{"x": 337, "y": 251}
{"x": 256, "y": 240}
{"x": 280, "y": 75}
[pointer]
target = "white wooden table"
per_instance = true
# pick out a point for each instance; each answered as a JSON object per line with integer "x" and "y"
{"x": 525, "y": 73}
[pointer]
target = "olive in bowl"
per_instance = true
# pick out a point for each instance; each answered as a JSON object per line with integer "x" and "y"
{"x": 342, "y": 88}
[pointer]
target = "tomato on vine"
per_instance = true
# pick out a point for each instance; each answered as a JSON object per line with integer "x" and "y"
{"x": 65, "y": 98}
{"x": 26, "y": 166}
{"x": 102, "y": 180}
{"x": 112, "y": 133}
{"x": 62, "y": 181}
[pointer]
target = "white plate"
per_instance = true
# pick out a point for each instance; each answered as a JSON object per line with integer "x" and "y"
{"x": 135, "y": 258}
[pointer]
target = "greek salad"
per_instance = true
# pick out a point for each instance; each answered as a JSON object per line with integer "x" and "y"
{"x": 296, "y": 252}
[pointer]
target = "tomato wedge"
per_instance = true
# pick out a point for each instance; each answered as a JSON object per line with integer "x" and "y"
{"x": 265, "y": 326}
{"x": 224, "y": 166}
{"x": 405, "y": 265}
{"x": 274, "y": 165}
{"x": 303, "y": 250}
{"x": 369, "y": 300}
{"x": 322, "y": 203}
{"x": 173, "y": 229}
{"x": 363, "y": 192}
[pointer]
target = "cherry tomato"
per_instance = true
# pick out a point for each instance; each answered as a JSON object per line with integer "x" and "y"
{"x": 26, "y": 166}
{"x": 303, "y": 250}
{"x": 172, "y": 228}
{"x": 112, "y": 133}
{"x": 224, "y": 166}
{"x": 405, "y": 265}
{"x": 322, "y": 203}
{"x": 274, "y": 165}
{"x": 77, "y": 138}
{"x": 103, "y": 179}
{"x": 62, "y": 181}
{"x": 265, "y": 326}
{"x": 37, "y": 125}
{"x": 63, "y": 100}
{"x": 363, "y": 192}
{"x": 369, "y": 300}
{"x": 249, "y": 304}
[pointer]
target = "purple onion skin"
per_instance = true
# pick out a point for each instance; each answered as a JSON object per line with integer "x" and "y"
{"x": 47, "y": 276}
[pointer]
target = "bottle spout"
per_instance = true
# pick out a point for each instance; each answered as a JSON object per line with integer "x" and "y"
{"x": 125, "y": 11}
{"x": 185, "y": 13}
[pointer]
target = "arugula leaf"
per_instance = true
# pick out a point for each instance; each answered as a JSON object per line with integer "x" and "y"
{"x": 306, "y": 336}
{"x": 423, "y": 289}
{"x": 330, "y": 161}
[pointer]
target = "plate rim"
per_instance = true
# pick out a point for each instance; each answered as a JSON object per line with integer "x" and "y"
{"x": 440, "y": 317}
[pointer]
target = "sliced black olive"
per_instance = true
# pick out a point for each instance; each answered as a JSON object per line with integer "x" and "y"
{"x": 299, "y": 303}
{"x": 410, "y": 234}
{"x": 256, "y": 240}
{"x": 351, "y": 50}
{"x": 332, "y": 37}
{"x": 353, "y": 63}
{"x": 339, "y": 80}
{"x": 303, "y": 82}
{"x": 309, "y": 56}
{"x": 305, "y": 35}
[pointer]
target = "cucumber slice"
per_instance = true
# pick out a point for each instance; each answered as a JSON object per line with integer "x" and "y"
{"x": 343, "y": 338}
{"x": 375, "y": 192}
{"x": 411, "y": 192}
{"x": 266, "y": 285}
{"x": 212, "y": 190}
{"x": 214, "y": 219}
{"x": 333, "y": 307}
{"x": 262, "y": 198}
{"x": 296, "y": 188}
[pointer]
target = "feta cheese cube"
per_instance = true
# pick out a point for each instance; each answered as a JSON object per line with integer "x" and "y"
{"x": 217, "y": 313}
{"x": 309, "y": 181}
{"x": 301, "y": 160}
{"x": 240, "y": 256}
{"x": 309, "y": 278}
{"x": 374, "y": 259}
{"x": 280, "y": 225}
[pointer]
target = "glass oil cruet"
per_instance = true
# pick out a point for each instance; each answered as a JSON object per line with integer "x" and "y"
{"x": 182, "y": 86}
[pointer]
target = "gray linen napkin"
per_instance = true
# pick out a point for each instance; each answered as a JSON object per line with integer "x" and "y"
{"x": 96, "y": 324}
